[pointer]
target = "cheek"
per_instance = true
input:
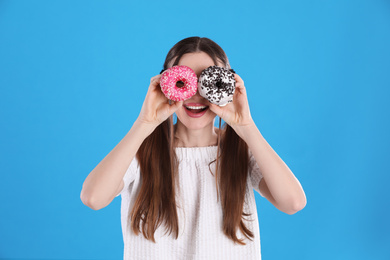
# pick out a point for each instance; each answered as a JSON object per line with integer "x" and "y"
{"x": 211, "y": 113}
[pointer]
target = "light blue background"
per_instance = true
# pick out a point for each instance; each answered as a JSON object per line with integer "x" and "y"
{"x": 74, "y": 74}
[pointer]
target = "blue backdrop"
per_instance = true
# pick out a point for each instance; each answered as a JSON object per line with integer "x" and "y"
{"x": 74, "y": 74}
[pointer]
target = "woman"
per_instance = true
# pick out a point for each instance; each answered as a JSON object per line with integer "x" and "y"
{"x": 195, "y": 179}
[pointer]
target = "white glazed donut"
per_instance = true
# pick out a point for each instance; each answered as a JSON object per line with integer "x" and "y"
{"x": 217, "y": 84}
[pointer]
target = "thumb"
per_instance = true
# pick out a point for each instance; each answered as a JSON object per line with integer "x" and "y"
{"x": 216, "y": 109}
{"x": 175, "y": 106}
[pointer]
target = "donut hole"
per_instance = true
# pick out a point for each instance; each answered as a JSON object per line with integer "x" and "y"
{"x": 180, "y": 84}
{"x": 218, "y": 84}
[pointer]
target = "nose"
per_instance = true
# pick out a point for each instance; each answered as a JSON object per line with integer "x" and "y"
{"x": 197, "y": 94}
{"x": 197, "y": 97}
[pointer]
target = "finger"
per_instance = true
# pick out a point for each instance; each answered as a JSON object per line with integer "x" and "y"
{"x": 157, "y": 77}
{"x": 216, "y": 109}
{"x": 154, "y": 81}
{"x": 176, "y": 105}
{"x": 241, "y": 88}
{"x": 238, "y": 79}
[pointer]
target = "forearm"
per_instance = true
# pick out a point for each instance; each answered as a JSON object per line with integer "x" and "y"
{"x": 281, "y": 182}
{"x": 101, "y": 184}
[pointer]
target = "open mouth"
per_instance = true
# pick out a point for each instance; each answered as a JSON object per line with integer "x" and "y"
{"x": 196, "y": 110}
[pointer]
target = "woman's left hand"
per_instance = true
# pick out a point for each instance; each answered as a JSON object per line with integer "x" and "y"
{"x": 236, "y": 113}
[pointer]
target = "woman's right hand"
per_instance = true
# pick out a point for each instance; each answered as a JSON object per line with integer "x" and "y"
{"x": 156, "y": 108}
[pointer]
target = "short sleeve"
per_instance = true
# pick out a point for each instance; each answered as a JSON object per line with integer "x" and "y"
{"x": 255, "y": 173}
{"x": 130, "y": 175}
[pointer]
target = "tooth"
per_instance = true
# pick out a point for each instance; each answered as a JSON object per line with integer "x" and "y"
{"x": 194, "y": 107}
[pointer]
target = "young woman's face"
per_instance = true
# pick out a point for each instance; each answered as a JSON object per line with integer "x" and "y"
{"x": 198, "y": 62}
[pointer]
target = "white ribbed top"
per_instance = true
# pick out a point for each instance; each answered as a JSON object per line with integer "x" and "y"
{"x": 200, "y": 215}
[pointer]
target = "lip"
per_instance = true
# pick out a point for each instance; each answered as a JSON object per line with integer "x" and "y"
{"x": 195, "y": 115}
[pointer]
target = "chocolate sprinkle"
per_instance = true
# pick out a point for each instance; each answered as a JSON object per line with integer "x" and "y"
{"x": 217, "y": 84}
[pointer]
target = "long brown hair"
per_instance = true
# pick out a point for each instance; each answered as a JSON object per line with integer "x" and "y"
{"x": 156, "y": 201}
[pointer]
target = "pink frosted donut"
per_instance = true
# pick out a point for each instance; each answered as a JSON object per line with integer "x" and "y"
{"x": 171, "y": 76}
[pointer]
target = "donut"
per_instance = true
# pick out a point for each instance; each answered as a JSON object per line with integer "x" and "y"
{"x": 171, "y": 76}
{"x": 217, "y": 84}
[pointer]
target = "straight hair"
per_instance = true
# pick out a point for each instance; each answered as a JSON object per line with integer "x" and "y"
{"x": 158, "y": 163}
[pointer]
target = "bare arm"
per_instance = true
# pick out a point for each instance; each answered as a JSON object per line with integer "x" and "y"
{"x": 102, "y": 184}
{"x": 279, "y": 185}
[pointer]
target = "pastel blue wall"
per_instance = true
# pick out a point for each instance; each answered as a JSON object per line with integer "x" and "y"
{"x": 73, "y": 76}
